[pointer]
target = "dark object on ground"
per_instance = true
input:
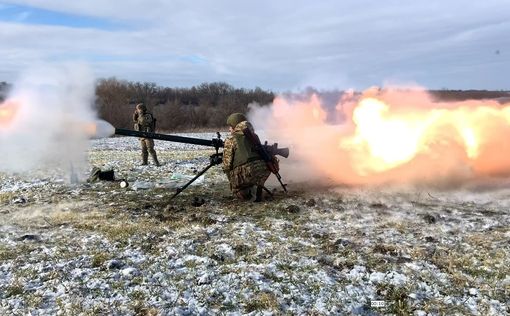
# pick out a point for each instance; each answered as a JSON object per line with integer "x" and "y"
{"x": 197, "y": 201}
{"x": 292, "y": 208}
{"x": 107, "y": 175}
{"x": 430, "y": 239}
{"x": 30, "y": 237}
{"x": 97, "y": 174}
{"x": 344, "y": 243}
{"x": 310, "y": 202}
{"x": 114, "y": 264}
{"x": 429, "y": 218}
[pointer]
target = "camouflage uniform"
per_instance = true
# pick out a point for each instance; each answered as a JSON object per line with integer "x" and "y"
{"x": 145, "y": 122}
{"x": 242, "y": 165}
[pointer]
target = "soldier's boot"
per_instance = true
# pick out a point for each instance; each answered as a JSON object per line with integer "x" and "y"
{"x": 258, "y": 194}
{"x": 244, "y": 194}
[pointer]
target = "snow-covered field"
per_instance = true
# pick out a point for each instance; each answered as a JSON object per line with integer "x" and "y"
{"x": 100, "y": 249}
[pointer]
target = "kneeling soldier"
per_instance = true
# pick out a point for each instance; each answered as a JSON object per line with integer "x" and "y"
{"x": 242, "y": 164}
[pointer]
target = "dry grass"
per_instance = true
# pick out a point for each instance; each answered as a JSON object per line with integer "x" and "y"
{"x": 262, "y": 301}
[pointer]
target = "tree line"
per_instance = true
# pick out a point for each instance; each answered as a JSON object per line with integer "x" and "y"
{"x": 462, "y": 95}
{"x": 204, "y": 106}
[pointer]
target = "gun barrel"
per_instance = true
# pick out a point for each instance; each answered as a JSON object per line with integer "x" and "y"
{"x": 171, "y": 138}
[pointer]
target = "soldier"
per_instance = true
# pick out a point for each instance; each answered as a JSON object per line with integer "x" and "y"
{"x": 243, "y": 166}
{"x": 145, "y": 122}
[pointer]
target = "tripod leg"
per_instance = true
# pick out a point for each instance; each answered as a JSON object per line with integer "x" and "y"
{"x": 179, "y": 190}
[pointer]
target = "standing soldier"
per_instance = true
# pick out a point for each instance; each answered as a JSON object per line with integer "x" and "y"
{"x": 145, "y": 122}
{"x": 242, "y": 164}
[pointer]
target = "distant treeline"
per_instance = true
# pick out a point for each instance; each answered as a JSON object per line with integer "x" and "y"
{"x": 204, "y": 106}
{"x": 461, "y": 95}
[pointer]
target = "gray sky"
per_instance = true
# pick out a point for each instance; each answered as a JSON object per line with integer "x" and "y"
{"x": 278, "y": 45}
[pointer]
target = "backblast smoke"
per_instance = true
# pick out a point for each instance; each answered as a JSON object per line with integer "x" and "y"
{"x": 391, "y": 135}
{"x": 47, "y": 119}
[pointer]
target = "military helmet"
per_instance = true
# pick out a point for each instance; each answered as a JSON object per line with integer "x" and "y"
{"x": 141, "y": 107}
{"x": 235, "y": 119}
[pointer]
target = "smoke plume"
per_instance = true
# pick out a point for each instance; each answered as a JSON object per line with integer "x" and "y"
{"x": 45, "y": 119}
{"x": 390, "y": 135}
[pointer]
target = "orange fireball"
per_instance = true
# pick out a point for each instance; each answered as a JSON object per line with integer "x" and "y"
{"x": 397, "y": 135}
{"x": 8, "y": 110}
{"x": 385, "y": 138}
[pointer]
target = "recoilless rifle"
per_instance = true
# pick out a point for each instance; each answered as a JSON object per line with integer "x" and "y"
{"x": 266, "y": 152}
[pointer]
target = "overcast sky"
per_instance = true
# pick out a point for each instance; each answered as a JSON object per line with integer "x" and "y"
{"x": 277, "y": 45}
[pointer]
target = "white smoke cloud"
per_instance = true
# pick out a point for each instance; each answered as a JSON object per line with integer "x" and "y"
{"x": 53, "y": 105}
